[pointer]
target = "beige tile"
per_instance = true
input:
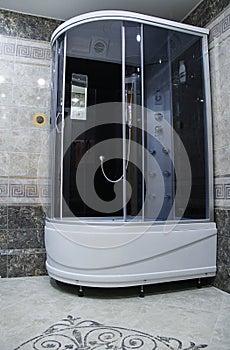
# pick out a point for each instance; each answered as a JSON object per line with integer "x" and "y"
{"x": 34, "y": 140}
{"x": 222, "y": 161}
{"x": 23, "y": 164}
{"x": 22, "y": 117}
{"x": 5, "y": 94}
{"x": 6, "y": 71}
{"x": 31, "y": 97}
{"x": 4, "y": 161}
{"x": 33, "y": 75}
{"x": 5, "y": 117}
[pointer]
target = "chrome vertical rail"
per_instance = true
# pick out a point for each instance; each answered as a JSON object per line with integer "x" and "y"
{"x": 170, "y": 121}
{"x": 142, "y": 120}
{"x": 124, "y": 123}
{"x": 55, "y": 61}
{"x": 209, "y": 135}
{"x": 62, "y": 125}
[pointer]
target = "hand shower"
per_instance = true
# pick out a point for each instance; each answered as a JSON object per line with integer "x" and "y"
{"x": 129, "y": 118}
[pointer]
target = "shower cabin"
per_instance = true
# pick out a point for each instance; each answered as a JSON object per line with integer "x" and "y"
{"x": 131, "y": 152}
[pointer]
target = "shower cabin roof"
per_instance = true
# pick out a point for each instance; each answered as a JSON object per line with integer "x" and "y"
{"x": 127, "y": 16}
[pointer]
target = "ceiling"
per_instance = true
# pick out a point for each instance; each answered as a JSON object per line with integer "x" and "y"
{"x": 65, "y": 9}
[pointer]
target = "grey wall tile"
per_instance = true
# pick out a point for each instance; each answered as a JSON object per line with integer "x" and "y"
{"x": 206, "y": 12}
{"x": 25, "y": 238}
{"x": 3, "y": 239}
{"x": 26, "y": 26}
{"x": 222, "y": 279}
{"x": 222, "y": 218}
{"x": 26, "y": 264}
{"x": 3, "y": 217}
{"x": 25, "y": 217}
{"x": 3, "y": 266}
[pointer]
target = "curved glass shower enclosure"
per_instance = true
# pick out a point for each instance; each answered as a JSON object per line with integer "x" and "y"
{"x": 131, "y": 172}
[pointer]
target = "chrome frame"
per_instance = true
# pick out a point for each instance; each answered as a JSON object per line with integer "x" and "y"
{"x": 209, "y": 134}
{"x": 123, "y": 47}
{"x": 142, "y": 119}
{"x": 53, "y": 121}
{"x": 62, "y": 124}
{"x": 127, "y": 16}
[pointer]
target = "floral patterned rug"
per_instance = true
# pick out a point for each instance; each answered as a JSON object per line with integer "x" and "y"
{"x": 77, "y": 334}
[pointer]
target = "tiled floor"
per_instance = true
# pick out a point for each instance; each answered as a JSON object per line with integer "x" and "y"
{"x": 191, "y": 316}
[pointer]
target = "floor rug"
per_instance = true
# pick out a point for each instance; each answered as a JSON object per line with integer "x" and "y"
{"x": 77, "y": 334}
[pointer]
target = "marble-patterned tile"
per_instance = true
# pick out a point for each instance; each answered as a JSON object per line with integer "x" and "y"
{"x": 206, "y": 12}
{"x": 224, "y": 81}
{"x": 27, "y": 26}
{"x": 223, "y": 56}
{"x": 3, "y": 216}
{"x": 5, "y": 117}
{"x": 25, "y": 164}
{"x": 32, "y": 97}
{"x": 3, "y": 239}
{"x": 222, "y": 161}
{"x": 26, "y": 264}
{"x": 221, "y": 124}
{"x": 4, "y": 161}
{"x": 34, "y": 140}
{"x": 3, "y": 266}
{"x": 196, "y": 301}
{"x": 5, "y": 94}
{"x": 6, "y": 71}
{"x": 219, "y": 55}
{"x": 43, "y": 169}
{"x": 222, "y": 218}
{"x": 221, "y": 335}
{"x": 222, "y": 279}
{"x": 25, "y": 216}
{"x": 33, "y": 75}
{"x": 223, "y": 250}
{"x": 4, "y": 140}
{"x": 25, "y": 238}
{"x": 26, "y": 114}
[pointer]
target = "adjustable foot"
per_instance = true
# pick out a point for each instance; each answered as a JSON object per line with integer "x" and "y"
{"x": 80, "y": 291}
{"x": 199, "y": 283}
{"x": 142, "y": 293}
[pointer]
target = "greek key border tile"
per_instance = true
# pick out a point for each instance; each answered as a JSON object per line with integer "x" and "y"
{"x": 220, "y": 28}
{"x": 19, "y": 190}
{"x": 4, "y": 190}
{"x": 25, "y": 51}
{"x": 222, "y": 192}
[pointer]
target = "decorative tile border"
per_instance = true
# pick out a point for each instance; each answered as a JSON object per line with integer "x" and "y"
{"x": 25, "y": 51}
{"x": 220, "y": 28}
{"x": 21, "y": 192}
{"x": 222, "y": 192}
{"x": 4, "y": 190}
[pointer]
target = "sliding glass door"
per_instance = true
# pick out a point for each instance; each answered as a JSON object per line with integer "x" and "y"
{"x": 129, "y": 129}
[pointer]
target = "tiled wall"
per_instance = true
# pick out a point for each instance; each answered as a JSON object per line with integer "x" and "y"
{"x": 217, "y": 13}
{"x": 25, "y": 74}
{"x": 24, "y": 59}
